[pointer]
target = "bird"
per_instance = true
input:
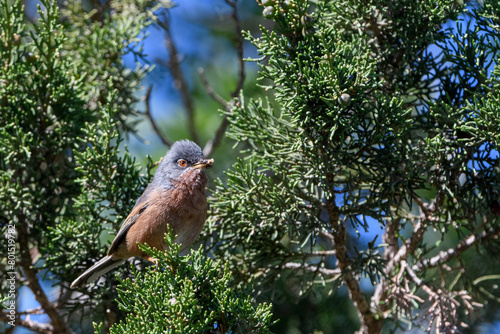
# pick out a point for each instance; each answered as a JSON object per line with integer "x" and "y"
{"x": 175, "y": 198}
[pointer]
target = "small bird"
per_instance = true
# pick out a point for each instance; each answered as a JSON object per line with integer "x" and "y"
{"x": 175, "y": 198}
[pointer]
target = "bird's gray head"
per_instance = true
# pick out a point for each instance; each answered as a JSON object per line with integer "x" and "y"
{"x": 184, "y": 155}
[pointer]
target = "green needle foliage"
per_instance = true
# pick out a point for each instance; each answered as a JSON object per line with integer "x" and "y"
{"x": 64, "y": 182}
{"x": 383, "y": 128}
{"x": 187, "y": 294}
{"x": 374, "y": 167}
{"x": 67, "y": 182}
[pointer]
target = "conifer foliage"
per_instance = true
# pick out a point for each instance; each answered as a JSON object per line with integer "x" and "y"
{"x": 66, "y": 184}
{"x": 374, "y": 158}
{"x": 378, "y": 157}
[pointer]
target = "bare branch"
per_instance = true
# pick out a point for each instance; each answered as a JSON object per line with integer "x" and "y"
{"x": 395, "y": 255}
{"x": 411, "y": 273}
{"x": 219, "y": 133}
{"x": 397, "y": 293}
{"x": 408, "y": 247}
{"x": 43, "y": 328}
{"x": 328, "y": 236}
{"x": 216, "y": 97}
{"x": 451, "y": 253}
{"x": 320, "y": 253}
{"x": 179, "y": 79}
{"x": 381, "y": 292}
{"x": 369, "y": 323}
{"x": 59, "y": 326}
{"x": 443, "y": 313}
{"x": 166, "y": 141}
{"x": 37, "y": 310}
{"x": 239, "y": 48}
{"x": 311, "y": 268}
{"x": 36, "y": 326}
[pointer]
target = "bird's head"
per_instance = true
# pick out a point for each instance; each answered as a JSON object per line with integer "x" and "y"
{"x": 184, "y": 156}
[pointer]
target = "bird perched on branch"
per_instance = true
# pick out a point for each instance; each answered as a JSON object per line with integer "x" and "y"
{"x": 175, "y": 198}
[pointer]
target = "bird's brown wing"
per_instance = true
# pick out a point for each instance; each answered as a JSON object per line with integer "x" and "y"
{"x": 127, "y": 224}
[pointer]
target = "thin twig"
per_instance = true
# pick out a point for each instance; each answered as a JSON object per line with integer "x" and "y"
{"x": 239, "y": 48}
{"x": 311, "y": 268}
{"x": 38, "y": 327}
{"x": 319, "y": 253}
{"x": 37, "y": 310}
{"x": 164, "y": 139}
{"x": 426, "y": 217}
{"x": 216, "y": 97}
{"x": 451, "y": 253}
{"x": 179, "y": 79}
{"x": 59, "y": 326}
{"x": 219, "y": 133}
{"x": 221, "y": 130}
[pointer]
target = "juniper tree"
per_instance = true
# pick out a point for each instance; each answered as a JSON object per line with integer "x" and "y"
{"x": 187, "y": 294}
{"x": 383, "y": 122}
{"x": 369, "y": 130}
{"x": 67, "y": 181}
{"x": 63, "y": 180}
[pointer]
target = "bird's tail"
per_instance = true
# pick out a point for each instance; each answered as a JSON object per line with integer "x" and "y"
{"x": 97, "y": 270}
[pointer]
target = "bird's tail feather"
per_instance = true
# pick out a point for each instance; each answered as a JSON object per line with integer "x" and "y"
{"x": 97, "y": 270}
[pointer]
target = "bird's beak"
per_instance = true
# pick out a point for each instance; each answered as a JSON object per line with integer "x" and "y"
{"x": 203, "y": 163}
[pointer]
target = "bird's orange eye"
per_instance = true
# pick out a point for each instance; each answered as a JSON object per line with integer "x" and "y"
{"x": 183, "y": 163}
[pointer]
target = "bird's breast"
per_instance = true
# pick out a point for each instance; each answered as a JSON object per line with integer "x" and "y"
{"x": 184, "y": 208}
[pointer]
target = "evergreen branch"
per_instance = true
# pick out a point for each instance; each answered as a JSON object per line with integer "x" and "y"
{"x": 165, "y": 140}
{"x": 180, "y": 81}
{"x": 381, "y": 290}
{"x": 369, "y": 324}
{"x": 454, "y": 252}
{"x": 99, "y": 9}
{"x": 426, "y": 216}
